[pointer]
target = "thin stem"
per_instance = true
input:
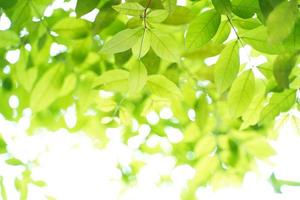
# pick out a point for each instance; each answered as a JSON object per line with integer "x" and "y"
{"x": 239, "y": 39}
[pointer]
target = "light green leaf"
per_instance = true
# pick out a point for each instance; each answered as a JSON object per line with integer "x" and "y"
{"x": 205, "y": 146}
{"x": 251, "y": 115}
{"x": 281, "y": 21}
{"x": 157, "y": 16}
{"x": 202, "y": 111}
{"x": 292, "y": 42}
{"x": 245, "y": 8}
{"x": 130, "y": 8}
{"x": 258, "y": 39}
{"x": 170, "y": 5}
{"x": 137, "y": 78}
{"x": 259, "y": 148}
{"x": 2, "y": 145}
{"x": 282, "y": 68}
{"x": 14, "y": 161}
{"x": 85, "y": 6}
{"x": 241, "y": 94}
{"x": 296, "y": 83}
{"x": 180, "y": 15}
{"x": 72, "y": 28}
{"x": 164, "y": 45}
{"x": 279, "y": 102}
{"x": 222, "y": 33}
{"x": 163, "y": 87}
{"x": 3, "y": 189}
{"x": 8, "y": 39}
{"x": 68, "y": 85}
{"x": 266, "y": 6}
{"x": 227, "y": 67}
{"x": 142, "y": 45}
{"x": 202, "y": 29}
{"x": 122, "y": 41}
{"x": 113, "y": 80}
{"x": 46, "y": 90}
{"x": 222, "y": 6}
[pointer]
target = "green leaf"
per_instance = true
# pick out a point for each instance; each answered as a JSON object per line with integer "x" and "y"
{"x": 3, "y": 189}
{"x": 169, "y": 5}
{"x": 122, "y": 41}
{"x": 222, "y": 6}
{"x": 251, "y": 115}
{"x": 2, "y": 145}
{"x": 180, "y": 15}
{"x": 292, "y": 42}
{"x": 157, "y": 16}
{"x": 266, "y": 6}
{"x": 46, "y": 90}
{"x": 279, "y": 102}
{"x": 245, "y": 8}
{"x": 258, "y": 39}
{"x": 205, "y": 146}
{"x": 85, "y": 6}
{"x": 163, "y": 87}
{"x": 202, "y": 29}
{"x": 227, "y": 67}
{"x": 130, "y": 8}
{"x": 113, "y": 80}
{"x": 5, "y": 4}
{"x": 164, "y": 45}
{"x": 280, "y": 27}
{"x": 202, "y": 111}
{"x": 222, "y": 33}
{"x": 142, "y": 45}
{"x": 137, "y": 78}
{"x": 68, "y": 85}
{"x": 241, "y": 94}
{"x": 282, "y": 68}
{"x": 8, "y": 39}
{"x": 72, "y": 28}
{"x": 14, "y": 161}
{"x": 259, "y": 148}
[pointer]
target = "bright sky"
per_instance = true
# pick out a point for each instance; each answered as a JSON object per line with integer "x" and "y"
{"x": 74, "y": 168}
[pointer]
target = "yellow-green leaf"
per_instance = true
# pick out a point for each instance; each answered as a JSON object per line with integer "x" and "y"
{"x": 281, "y": 20}
{"x": 241, "y": 94}
{"x": 137, "y": 78}
{"x": 122, "y": 41}
{"x": 202, "y": 29}
{"x": 227, "y": 67}
{"x": 163, "y": 87}
{"x": 113, "y": 80}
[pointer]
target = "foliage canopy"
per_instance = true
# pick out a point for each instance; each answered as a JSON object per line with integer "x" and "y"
{"x": 141, "y": 56}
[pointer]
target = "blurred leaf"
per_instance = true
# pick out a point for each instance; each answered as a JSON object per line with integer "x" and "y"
{"x": 72, "y": 28}
{"x": 288, "y": 9}
{"x": 85, "y": 6}
{"x": 279, "y": 102}
{"x": 130, "y": 8}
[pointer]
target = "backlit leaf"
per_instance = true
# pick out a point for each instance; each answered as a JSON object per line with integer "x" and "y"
{"x": 227, "y": 67}
{"x": 162, "y": 87}
{"x": 202, "y": 29}
{"x": 279, "y": 102}
{"x": 122, "y": 41}
{"x": 241, "y": 94}
{"x": 280, "y": 27}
